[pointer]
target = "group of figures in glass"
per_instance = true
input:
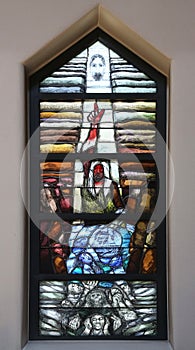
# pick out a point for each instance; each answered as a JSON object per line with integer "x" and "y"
{"x": 97, "y": 308}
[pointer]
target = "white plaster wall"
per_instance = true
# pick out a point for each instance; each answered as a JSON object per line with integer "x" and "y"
{"x": 27, "y": 26}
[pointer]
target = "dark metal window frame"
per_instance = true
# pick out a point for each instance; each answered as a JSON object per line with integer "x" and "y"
{"x": 35, "y": 157}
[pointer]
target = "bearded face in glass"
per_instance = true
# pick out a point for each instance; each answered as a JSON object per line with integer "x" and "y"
{"x": 98, "y": 173}
{"x": 97, "y": 67}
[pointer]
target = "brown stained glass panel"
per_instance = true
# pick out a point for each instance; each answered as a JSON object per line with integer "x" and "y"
{"x": 138, "y": 186}
{"x": 97, "y": 127}
{"x": 97, "y": 308}
{"x": 54, "y": 246}
{"x": 135, "y": 126}
{"x": 57, "y": 182}
{"x": 60, "y": 124}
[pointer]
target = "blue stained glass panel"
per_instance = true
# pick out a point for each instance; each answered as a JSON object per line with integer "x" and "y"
{"x": 114, "y": 248}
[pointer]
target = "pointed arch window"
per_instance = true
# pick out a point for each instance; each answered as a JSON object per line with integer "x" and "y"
{"x": 98, "y": 253}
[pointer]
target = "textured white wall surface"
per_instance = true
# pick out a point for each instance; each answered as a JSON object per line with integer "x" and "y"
{"x": 25, "y": 27}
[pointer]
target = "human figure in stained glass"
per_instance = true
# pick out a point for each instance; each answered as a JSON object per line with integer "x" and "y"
{"x": 88, "y": 264}
{"x": 47, "y": 201}
{"x": 97, "y": 249}
{"x": 118, "y": 298}
{"x": 74, "y": 294}
{"x": 100, "y": 193}
{"x": 96, "y": 298}
{"x": 72, "y": 324}
{"x": 125, "y": 321}
{"x": 96, "y": 324}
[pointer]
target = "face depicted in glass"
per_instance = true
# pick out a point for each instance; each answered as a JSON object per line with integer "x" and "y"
{"x": 97, "y": 321}
{"x": 58, "y": 249}
{"x": 75, "y": 288}
{"x": 96, "y": 298}
{"x": 98, "y": 172}
{"x": 97, "y": 66}
{"x": 74, "y": 322}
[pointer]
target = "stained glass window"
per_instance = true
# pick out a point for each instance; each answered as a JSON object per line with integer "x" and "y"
{"x": 98, "y": 254}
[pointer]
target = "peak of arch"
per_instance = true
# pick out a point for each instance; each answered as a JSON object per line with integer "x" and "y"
{"x": 101, "y": 18}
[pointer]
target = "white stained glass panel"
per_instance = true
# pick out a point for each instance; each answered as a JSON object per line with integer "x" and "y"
{"x": 98, "y": 69}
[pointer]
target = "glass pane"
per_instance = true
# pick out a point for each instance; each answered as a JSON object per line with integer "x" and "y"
{"x": 143, "y": 253}
{"x": 57, "y": 181}
{"x": 114, "y": 248}
{"x": 126, "y": 78}
{"x": 60, "y": 124}
{"x": 97, "y": 308}
{"x": 138, "y": 186}
{"x": 97, "y": 127}
{"x": 98, "y": 69}
{"x": 97, "y": 133}
{"x": 98, "y": 186}
{"x": 54, "y": 246}
{"x": 70, "y": 78}
{"x": 99, "y": 249}
{"x": 135, "y": 126}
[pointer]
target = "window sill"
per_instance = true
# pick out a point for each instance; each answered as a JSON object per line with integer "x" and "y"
{"x": 96, "y": 345}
